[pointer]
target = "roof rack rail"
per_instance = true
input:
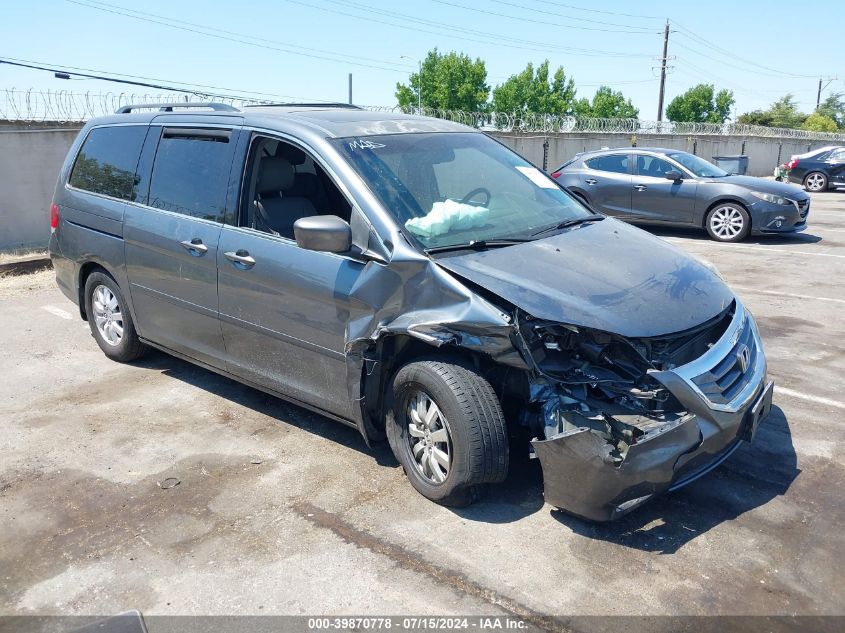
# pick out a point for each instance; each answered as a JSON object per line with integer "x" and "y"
{"x": 169, "y": 107}
{"x": 328, "y": 104}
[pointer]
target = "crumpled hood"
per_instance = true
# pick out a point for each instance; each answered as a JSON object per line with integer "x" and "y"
{"x": 761, "y": 184}
{"x": 606, "y": 275}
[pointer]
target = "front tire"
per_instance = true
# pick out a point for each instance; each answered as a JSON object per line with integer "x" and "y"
{"x": 446, "y": 427}
{"x": 727, "y": 222}
{"x": 109, "y": 319}
{"x": 815, "y": 181}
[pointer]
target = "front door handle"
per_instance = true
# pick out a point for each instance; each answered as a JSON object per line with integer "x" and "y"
{"x": 640, "y": 187}
{"x": 240, "y": 258}
{"x": 195, "y": 247}
{"x": 591, "y": 181}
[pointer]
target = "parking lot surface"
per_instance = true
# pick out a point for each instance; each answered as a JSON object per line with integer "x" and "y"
{"x": 162, "y": 487}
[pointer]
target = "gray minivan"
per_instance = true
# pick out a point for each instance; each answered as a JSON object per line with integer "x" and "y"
{"x": 417, "y": 280}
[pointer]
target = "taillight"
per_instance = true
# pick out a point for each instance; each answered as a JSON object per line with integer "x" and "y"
{"x": 54, "y": 216}
{"x": 555, "y": 175}
{"x": 792, "y": 164}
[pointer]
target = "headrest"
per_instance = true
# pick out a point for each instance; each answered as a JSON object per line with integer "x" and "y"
{"x": 274, "y": 174}
{"x": 295, "y": 155}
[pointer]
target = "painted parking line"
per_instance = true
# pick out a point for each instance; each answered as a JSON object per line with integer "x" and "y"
{"x": 62, "y": 314}
{"x": 791, "y": 295}
{"x": 785, "y": 251}
{"x": 800, "y": 395}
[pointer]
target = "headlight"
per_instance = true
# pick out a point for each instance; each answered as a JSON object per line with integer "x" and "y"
{"x": 770, "y": 197}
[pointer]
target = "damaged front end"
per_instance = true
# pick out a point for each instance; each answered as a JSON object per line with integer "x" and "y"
{"x": 617, "y": 420}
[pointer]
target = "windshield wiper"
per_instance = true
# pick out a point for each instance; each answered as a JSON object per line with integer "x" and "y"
{"x": 568, "y": 223}
{"x": 477, "y": 245}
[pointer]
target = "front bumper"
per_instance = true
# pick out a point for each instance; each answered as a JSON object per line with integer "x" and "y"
{"x": 581, "y": 477}
{"x": 767, "y": 217}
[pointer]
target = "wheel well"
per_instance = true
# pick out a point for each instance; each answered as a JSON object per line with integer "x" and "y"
{"x": 392, "y": 352}
{"x": 738, "y": 203}
{"x": 85, "y": 272}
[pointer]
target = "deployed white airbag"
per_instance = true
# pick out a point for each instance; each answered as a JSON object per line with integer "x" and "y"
{"x": 447, "y": 216}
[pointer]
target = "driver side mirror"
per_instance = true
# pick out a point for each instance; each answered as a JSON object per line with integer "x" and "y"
{"x": 326, "y": 233}
{"x": 673, "y": 174}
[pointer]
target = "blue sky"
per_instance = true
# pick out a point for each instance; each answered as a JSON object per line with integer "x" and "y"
{"x": 304, "y": 49}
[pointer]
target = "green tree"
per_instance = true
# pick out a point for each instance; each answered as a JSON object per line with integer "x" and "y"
{"x": 756, "y": 117}
{"x": 834, "y": 107}
{"x": 701, "y": 104}
{"x": 607, "y": 104}
{"x": 533, "y": 90}
{"x": 785, "y": 113}
{"x": 450, "y": 81}
{"x": 818, "y": 122}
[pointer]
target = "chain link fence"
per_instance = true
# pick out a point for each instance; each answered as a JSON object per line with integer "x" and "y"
{"x": 66, "y": 107}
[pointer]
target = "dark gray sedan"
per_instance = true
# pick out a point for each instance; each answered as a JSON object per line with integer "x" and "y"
{"x": 671, "y": 187}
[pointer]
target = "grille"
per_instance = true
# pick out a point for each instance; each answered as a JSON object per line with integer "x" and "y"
{"x": 729, "y": 376}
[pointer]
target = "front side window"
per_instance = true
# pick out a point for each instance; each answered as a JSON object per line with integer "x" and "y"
{"x": 698, "y": 166}
{"x": 191, "y": 175}
{"x": 652, "y": 166}
{"x": 614, "y": 163}
{"x": 107, "y": 162}
{"x": 452, "y": 188}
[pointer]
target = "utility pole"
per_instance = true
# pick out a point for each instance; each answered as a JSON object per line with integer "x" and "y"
{"x": 663, "y": 72}
{"x": 819, "y": 94}
{"x": 350, "y": 88}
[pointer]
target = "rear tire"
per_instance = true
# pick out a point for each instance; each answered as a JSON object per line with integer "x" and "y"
{"x": 815, "y": 181}
{"x": 109, "y": 319}
{"x": 446, "y": 427}
{"x": 727, "y": 222}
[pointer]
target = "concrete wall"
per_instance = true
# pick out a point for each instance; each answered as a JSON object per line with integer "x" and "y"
{"x": 31, "y": 156}
{"x": 764, "y": 154}
{"x": 30, "y": 160}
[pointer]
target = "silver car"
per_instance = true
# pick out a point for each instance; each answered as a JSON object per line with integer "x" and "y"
{"x": 673, "y": 188}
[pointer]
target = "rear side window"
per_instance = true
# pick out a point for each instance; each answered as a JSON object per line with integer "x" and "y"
{"x": 107, "y": 162}
{"x": 191, "y": 174}
{"x": 616, "y": 163}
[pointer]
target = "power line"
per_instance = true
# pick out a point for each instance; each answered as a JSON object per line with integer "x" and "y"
{"x": 625, "y": 15}
{"x": 102, "y": 75}
{"x": 732, "y": 55}
{"x": 247, "y": 40}
{"x": 493, "y": 38}
{"x": 562, "y": 15}
{"x": 543, "y": 22}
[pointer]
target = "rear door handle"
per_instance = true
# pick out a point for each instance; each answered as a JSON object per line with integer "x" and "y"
{"x": 195, "y": 247}
{"x": 640, "y": 187}
{"x": 591, "y": 181}
{"x": 240, "y": 258}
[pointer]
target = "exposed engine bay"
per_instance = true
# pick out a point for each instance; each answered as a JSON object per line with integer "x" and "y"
{"x": 604, "y": 383}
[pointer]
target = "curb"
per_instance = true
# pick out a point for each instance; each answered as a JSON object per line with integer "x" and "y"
{"x": 25, "y": 265}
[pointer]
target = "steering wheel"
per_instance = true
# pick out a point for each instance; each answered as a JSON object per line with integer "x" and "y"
{"x": 475, "y": 192}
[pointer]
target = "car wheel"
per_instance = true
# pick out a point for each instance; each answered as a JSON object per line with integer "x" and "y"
{"x": 815, "y": 181}
{"x": 727, "y": 222}
{"x": 109, "y": 319}
{"x": 446, "y": 427}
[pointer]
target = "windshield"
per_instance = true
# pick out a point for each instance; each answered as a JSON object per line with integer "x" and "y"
{"x": 454, "y": 188}
{"x": 698, "y": 166}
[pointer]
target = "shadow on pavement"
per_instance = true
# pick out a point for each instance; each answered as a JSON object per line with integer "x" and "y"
{"x": 264, "y": 403}
{"x": 765, "y": 240}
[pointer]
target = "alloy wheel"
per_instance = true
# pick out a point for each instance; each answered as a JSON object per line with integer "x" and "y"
{"x": 428, "y": 435}
{"x": 107, "y": 315}
{"x": 816, "y": 182}
{"x": 727, "y": 222}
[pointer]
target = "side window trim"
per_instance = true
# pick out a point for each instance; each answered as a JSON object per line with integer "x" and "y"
{"x": 69, "y": 175}
{"x": 149, "y": 152}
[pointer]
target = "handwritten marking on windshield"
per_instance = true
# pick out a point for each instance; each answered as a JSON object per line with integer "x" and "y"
{"x": 364, "y": 144}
